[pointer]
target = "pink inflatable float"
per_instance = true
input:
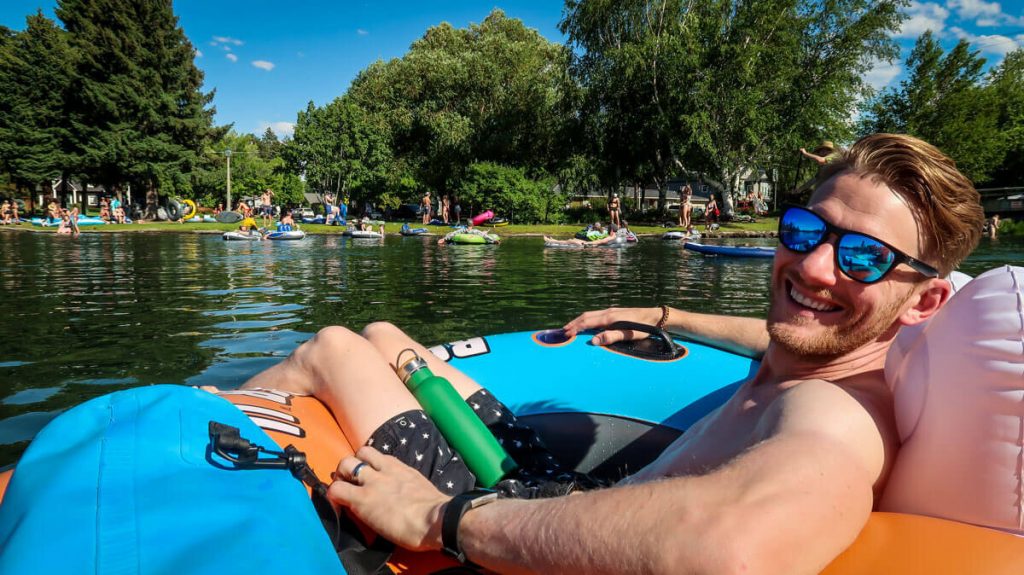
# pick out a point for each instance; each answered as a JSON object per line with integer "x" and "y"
{"x": 958, "y": 388}
{"x": 481, "y": 218}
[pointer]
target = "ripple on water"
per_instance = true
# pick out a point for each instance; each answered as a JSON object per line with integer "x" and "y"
{"x": 29, "y": 396}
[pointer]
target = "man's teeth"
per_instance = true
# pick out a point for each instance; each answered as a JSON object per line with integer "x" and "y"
{"x": 808, "y": 302}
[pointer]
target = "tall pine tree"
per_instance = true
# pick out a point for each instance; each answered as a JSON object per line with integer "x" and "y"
{"x": 137, "y": 106}
{"x": 35, "y": 68}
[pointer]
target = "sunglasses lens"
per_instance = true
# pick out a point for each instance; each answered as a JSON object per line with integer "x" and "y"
{"x": 800, "y": 230}
{"x": 864, "y": 259}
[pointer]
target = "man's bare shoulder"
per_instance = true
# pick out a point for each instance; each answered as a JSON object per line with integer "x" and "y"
{"x": 856, "y": 415}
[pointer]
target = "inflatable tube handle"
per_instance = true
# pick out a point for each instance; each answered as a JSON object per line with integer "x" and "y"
{"x": 672, "y": 350}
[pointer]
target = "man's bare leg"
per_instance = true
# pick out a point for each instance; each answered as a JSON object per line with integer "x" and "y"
{"x": 348, "y": 374}
{"x": 390, "y": 341}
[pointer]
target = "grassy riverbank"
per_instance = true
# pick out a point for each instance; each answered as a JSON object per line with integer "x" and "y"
{"x": 763, "y": 227}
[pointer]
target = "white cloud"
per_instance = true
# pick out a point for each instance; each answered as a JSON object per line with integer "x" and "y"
{"x": 362, "y": 32}
{"x": 263, "y": 65}
{"x": 882, "y": 74}
{"x": 226, "y": 40}
{"x": 231, "y": 57}
{"x": 282, "y": 129}
{"x": 984, "y": 13}
{"x": 970, "y": 9}
{"x": 199, "y": 53}
{"x": 924, "y": 16}
{"x": 990, "y": 43}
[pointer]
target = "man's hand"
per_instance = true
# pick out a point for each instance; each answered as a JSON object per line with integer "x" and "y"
{"x": 603, "y": 318}
{"x": 393, "y": 499}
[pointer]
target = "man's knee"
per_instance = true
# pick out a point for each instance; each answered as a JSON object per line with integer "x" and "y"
{"x": 379, "y": 331}
{"x": 331, "y": 340}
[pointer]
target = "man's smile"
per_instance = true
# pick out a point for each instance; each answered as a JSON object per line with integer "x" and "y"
{"x": 808, "y": 301}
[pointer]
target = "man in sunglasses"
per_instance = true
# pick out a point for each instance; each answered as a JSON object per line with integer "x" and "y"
{"x": 779, "y": 479}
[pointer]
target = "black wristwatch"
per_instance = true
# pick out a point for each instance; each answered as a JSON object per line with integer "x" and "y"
{"x": 453, "y": 513}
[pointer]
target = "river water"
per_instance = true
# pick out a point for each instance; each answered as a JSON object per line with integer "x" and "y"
{"x": 81, "y": 318}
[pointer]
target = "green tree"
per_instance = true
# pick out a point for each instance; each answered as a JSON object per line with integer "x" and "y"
{"x": 1006, "y": 82}
{"x": 35, "y": 67}
{"x": 491, "y": 92}
{"x": 944, "y": 102}
{"x": 342, "y": 149}
{"x": 504, "y": 189}
{"x": 720, "y": 86}
{"x": 137, "y": 107}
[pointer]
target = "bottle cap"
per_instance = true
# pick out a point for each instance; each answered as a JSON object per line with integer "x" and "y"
{"x": 410, "y": 367}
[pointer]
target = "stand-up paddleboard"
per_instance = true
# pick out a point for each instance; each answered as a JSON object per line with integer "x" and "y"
{"x": 229, "y": 217}
{"x": 734, "y": 251}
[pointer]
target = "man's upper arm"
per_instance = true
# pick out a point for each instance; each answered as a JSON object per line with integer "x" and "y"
{"x": 807, "y": 487}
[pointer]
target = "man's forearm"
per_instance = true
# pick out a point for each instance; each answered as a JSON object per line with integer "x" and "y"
{"x": 743, "y": 335}
{"x": 560, "y": 535}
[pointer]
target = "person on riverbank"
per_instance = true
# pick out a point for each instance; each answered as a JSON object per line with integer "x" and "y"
{"x": 425, "y": 208}
{"x": 105, "y": 210}
{"x": 5, "y": 213}
{"x": 445, "y": 208}
{"x": 993, "y": 226}
{"x": 267, "y": 207}
{"x": 53, "y": 210}
{"x": 68, "y": 222}
{"x": 457, "y": 210}
{"x": 686, "y": 208}
{"x": 614, "y": 210}
{"x": 796, "y": 457}
{"x": 711, "y": 213}
{"x": 117, "y": 212}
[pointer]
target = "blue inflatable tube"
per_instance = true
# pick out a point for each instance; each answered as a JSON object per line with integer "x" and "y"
{"x": 134, "y": 486}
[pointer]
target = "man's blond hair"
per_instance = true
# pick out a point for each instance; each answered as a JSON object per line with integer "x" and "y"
{"x": 945, "y": 204}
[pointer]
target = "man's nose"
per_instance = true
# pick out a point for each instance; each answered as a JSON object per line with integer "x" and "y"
{"x": 818, "y": 267}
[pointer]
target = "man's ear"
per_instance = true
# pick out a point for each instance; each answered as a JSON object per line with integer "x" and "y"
{"x": 927, "y": 300}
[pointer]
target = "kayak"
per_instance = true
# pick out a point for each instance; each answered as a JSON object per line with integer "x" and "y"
{"x": 733, "y": 251}
{"x": 288, "y": 235}
{"x": 603, "y": 409}
{"x": 242, "y": 236}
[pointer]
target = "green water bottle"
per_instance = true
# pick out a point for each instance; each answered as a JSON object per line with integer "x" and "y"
{"x": 464, "y": 431}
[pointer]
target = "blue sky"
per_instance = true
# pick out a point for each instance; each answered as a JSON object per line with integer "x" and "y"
{"x": 268, "y": 58}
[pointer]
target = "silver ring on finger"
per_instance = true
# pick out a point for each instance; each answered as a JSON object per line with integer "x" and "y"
{"x": 357, "y": 469}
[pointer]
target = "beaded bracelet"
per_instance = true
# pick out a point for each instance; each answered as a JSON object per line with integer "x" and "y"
{"x": 664, "y": 317}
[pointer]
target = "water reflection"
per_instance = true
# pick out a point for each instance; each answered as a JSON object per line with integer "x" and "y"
{"x": 112, "y": 311}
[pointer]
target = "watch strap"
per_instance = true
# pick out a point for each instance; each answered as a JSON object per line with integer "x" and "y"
{"x": 452, "y": 516}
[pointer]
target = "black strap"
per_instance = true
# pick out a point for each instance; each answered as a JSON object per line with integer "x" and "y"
{"x": 658, "y": 346}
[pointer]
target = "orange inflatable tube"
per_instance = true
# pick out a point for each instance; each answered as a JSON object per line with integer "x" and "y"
{"x": 307, "y": 424}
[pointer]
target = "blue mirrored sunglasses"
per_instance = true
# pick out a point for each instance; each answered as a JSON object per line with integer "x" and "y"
{"x": 860, "y": 257}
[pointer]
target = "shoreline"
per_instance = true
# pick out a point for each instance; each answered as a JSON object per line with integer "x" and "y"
{"x": 323, "y": 230}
